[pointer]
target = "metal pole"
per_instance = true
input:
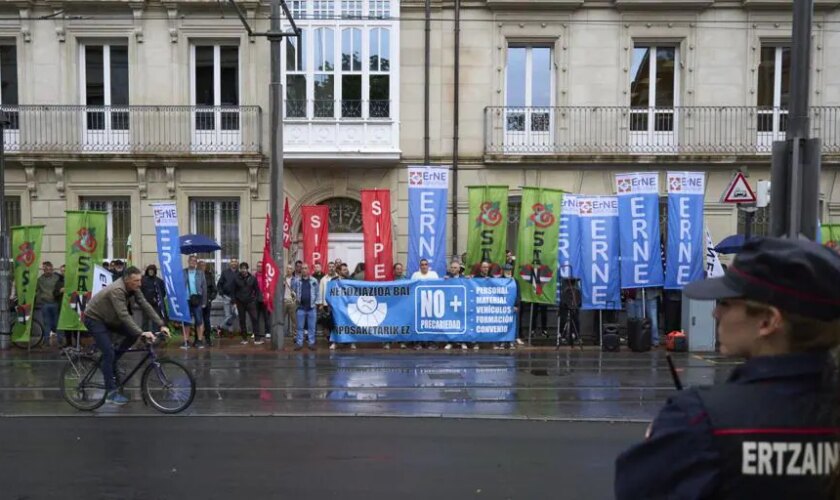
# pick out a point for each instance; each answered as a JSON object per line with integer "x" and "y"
{"x": 428, "y": 34}
{"x": 455, "y": 124}
{"x": 5, "y": 319}
{"x": 276, "y": 195}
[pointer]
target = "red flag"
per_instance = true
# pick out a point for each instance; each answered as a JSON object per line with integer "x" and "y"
{"x": 287, "y": 227}
{"x": 270, "y": 270}
{"x": 376, "y": 226}
{"x": 315, "y": 230}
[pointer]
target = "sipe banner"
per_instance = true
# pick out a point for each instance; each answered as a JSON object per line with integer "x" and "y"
{"x": 376, "y": 226}
{"x": 427, "y": 195}
{"x": 538, "y": 238}
{"x": 269, "y": 265}
{"x": 287, "y": 226}
{"x": 85, "y": 231}
{"x": 685, "y": 253}
{"x": 315, "y": 231}
{"x": 638, "y": 218}
{"x": 599, "y": 252}
{"x": 26, "y": 245}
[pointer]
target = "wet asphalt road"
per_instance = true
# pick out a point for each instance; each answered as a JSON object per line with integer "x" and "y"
{"x": 307, "y": 458}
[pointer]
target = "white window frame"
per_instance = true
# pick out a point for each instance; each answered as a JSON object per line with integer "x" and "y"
{"x": 528, "y": 140}
{"x": 765, "y": 139}
{"x": 227, "y": 140}
{"x": 11, "y": 136}
{"x": 104, "y": 140}
{"x": 217, "y": 226}
{"x": 652, "y": 138}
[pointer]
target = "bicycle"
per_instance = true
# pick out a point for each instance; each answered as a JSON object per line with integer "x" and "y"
{"x": 36, "y": 333}
{"x": 164, "y": 379}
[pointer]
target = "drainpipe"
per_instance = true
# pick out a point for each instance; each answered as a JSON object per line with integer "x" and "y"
{"x": 426, "y": 159}
{"x": 455, "y": 133}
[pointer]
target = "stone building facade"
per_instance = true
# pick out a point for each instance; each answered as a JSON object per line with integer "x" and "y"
{"x": 115, "y": 105}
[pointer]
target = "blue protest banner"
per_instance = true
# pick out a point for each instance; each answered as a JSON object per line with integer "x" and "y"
{"x": 169, "y": 254}
{"x": 685, "y": 252}
{"x": 599, "y": 252}
{"x": 638, "y": 219}
{"x": 427, "y": 193}
{"x": 455, "y": 310}
{"x": 568, "y": 241}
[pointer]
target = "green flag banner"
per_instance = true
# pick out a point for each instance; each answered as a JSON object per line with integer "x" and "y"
{"x": 85, "y": 238}
{"x": 831, "y": 236}
{"x": 26, "y": 249}
{"x": 539, "y": 225}
{"x": 487, "y": 228}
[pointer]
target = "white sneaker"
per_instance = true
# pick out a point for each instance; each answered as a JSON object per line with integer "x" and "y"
{"x": 332, "y": 346}
{"x": 258, "y": 342}
{"x": 268, "y": 335}
{"x": 475, "y": 347}
{"x": 244, "y": 342}
{"x": 185, "y": 346}
{"x": 496, "y": 347}
{"x": 520, "y": 342}
{"x": 464, "y": 347}
{"x": 511, "y": 346}
{"x": 353, "y": 346}
{"x": 387, "y": 346}
{"x": 447, "y": 346}
{"x": 403, "y": 346}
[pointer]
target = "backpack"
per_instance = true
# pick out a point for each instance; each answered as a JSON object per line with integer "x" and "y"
{"x": 676, "y": 341}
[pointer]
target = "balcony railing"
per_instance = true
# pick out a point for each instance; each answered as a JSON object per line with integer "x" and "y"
{"x": 600, "y": 130}
{"x": 70, "y": 129}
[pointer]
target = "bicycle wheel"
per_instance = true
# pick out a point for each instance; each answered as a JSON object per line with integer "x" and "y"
{"x": 36, "y": 335}
{"x": 83, "y": 384}
{"x": 168, "y": 386}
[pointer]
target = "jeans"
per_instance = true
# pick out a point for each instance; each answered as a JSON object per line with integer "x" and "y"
{"x": 49, "y": 315}
{"x": 251, "y": 310}
{"x": 230, "y": 312}
{"x": 102, "y": 335}
{"x": 305, "y": 318}
{"x": 290, "y": 310}
{"x": 634, "y": 310}
{"x": 264, "y": 318}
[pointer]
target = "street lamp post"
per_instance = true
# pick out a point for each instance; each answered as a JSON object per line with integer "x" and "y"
{"x": 5, "y": 282}
{"x": 275, "y": 36}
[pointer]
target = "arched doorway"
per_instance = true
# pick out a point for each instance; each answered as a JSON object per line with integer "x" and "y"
{"x": 345, "y": 225}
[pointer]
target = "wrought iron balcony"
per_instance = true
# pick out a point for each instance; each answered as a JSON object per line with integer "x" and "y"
{"x": 72, "y": 129}
{"x": 599, "y": 130}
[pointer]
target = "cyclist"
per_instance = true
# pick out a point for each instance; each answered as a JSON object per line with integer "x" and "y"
{"x": 110, "y": 311}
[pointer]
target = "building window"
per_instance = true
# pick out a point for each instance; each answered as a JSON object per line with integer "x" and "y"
{"x": 528, "y": 89}
{"x": 339, "y": 70}
{"x": 773, "y": 89}
{"x": 324, "y": 80}
{"x": 760, "y": 222}
{"x": 351, "y": 73}
{"x": 298, "y": 9}
{"x": 351, "y": 9}
{"x": 215, "y": 82}
{"x": 323, "y": 9}
{"x": 9, "y": 84}
{"x": 118, "y": 224}
{"x": 296, "y": 76}
{"x": 380, "y": 9}
{"x": 514, "y": 211}
{"x": 13, "y": 215}
{"x": 218, "y": 219}
{"x": 653, "y": 103}
{"x": 380, "y": 66}
{"x": 105, "y": 86}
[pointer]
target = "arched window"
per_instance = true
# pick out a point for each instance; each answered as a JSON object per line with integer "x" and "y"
{"x": 345, "y": 215}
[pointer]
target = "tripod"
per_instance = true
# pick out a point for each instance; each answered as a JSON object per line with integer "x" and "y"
{"x": 569, "y": 300}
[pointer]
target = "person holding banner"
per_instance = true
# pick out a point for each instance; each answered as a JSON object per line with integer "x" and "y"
{"x": 770, "y": 431}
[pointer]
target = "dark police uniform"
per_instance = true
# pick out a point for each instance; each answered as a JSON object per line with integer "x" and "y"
{"x": 768, "y": 433}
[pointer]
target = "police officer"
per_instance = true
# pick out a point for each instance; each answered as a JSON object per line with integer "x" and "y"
{"x": 771, "y": 431}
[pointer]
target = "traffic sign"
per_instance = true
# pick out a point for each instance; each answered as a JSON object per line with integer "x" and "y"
{"x": 738, "y": 191}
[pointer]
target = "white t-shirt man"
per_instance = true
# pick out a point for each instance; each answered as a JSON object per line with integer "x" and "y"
{"x": 430, "y": 275}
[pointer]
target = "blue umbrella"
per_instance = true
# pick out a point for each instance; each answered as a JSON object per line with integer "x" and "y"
{"x": 731, "y": 244}
{"x": 198, "y": 243}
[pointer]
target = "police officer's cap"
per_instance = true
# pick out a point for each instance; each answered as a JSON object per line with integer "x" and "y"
{"x": 797, "y": 276}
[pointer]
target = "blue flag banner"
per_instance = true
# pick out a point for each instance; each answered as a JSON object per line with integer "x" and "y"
{"x": 427, "y": 194}
{"x": 638, "y": 218}
{"x": 599, "y": 252}
{"x": 568, "y": 241}
{"x": 684, "y": 255}
{"x": 169, "y": 253}
{"x": 454, "y": 310}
